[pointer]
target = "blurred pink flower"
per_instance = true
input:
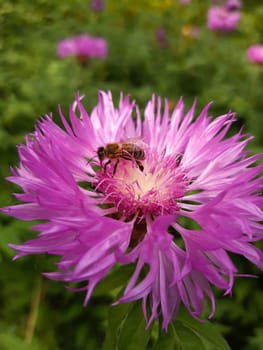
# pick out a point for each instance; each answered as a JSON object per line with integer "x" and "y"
{"x": 132, "y": 206}
{"x": 219, "y": 18}
{"x": 233, "y": 5}
{"x": 97, "y": 5}
{"x": 83, "y": 46}
{"x": 255, "y": 53}
{"x": 161, "y": 37}
{"x": 184, "y": 2}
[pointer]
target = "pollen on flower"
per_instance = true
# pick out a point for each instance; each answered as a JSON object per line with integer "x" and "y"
{"x": 152, "y": 191}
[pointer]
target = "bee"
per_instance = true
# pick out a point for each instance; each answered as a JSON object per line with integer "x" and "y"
{"x": 129, "y": 150}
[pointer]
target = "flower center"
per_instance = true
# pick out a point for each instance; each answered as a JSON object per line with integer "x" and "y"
{"x": 152, "y": 189}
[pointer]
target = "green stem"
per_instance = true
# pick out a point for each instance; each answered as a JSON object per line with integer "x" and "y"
{"x": 32, "y": 317}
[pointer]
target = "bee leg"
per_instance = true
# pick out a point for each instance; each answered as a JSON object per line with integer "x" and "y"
{"x": 105, "y": 165}
{"x": 139, "y": 164}
{"x": 115, "y": 167}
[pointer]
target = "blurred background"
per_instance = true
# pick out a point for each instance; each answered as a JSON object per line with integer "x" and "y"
{"x": 166, "y": 47}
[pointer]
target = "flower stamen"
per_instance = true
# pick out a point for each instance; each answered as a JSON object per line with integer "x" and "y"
{"x": 153, "y": 191}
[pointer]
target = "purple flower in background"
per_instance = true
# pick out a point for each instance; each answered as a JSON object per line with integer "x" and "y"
{"x": 110, "y": 190}
{"x": 255, "y": 53}
{"x": 97, "y": 5}
{"x": 221, "y": 19}
{"x": 161, "y": 37}
{"x": 184, "y": 2}
{"x": 233, "y": 5}
{"x": 83, "y": 47}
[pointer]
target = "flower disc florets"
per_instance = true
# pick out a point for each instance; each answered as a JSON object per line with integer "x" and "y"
{"x": 173, "y": 195}
{"x": 152, "y": 191}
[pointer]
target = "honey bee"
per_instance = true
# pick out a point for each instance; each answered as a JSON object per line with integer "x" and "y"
{"x": 128, "y": 150}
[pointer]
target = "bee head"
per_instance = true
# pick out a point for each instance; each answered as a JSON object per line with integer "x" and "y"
{"x": 101, "y": 153}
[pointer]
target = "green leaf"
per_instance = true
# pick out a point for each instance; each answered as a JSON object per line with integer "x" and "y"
{"x": 189, "y": 339}
{"x": 168, "y": 341}
{"x": 256, "y": 341}
{"x": 9, "y": 341}
{"x": 126, "y": 328}
{"x": 116, "y": 317}
{"x": 133, "y": 335}
{"x": 206, "y": 332}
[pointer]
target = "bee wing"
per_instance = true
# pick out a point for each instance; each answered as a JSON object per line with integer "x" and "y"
{"x": 135, "y": 140}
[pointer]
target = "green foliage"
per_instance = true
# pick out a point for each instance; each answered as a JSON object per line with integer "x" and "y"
{"x": 37, "y": 314}
{"x": 204, "y": 335}
{"x": 126, "y": 331}
{"x": 126, "y": 328}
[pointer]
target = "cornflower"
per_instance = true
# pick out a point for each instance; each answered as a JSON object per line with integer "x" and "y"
{"x": 172, "y": 195}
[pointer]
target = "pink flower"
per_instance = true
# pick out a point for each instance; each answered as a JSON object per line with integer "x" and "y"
{"x": 83, "y": 46}
{"x": 161, "y": 37}
{"x": 255, "y": 54}
{"x": 112, "y": 190}
{"x": 222, "y": 19}
{"x": 233, "y": 5}
{"x": 97, "y": 5}
{"x": 185, "y": 2}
